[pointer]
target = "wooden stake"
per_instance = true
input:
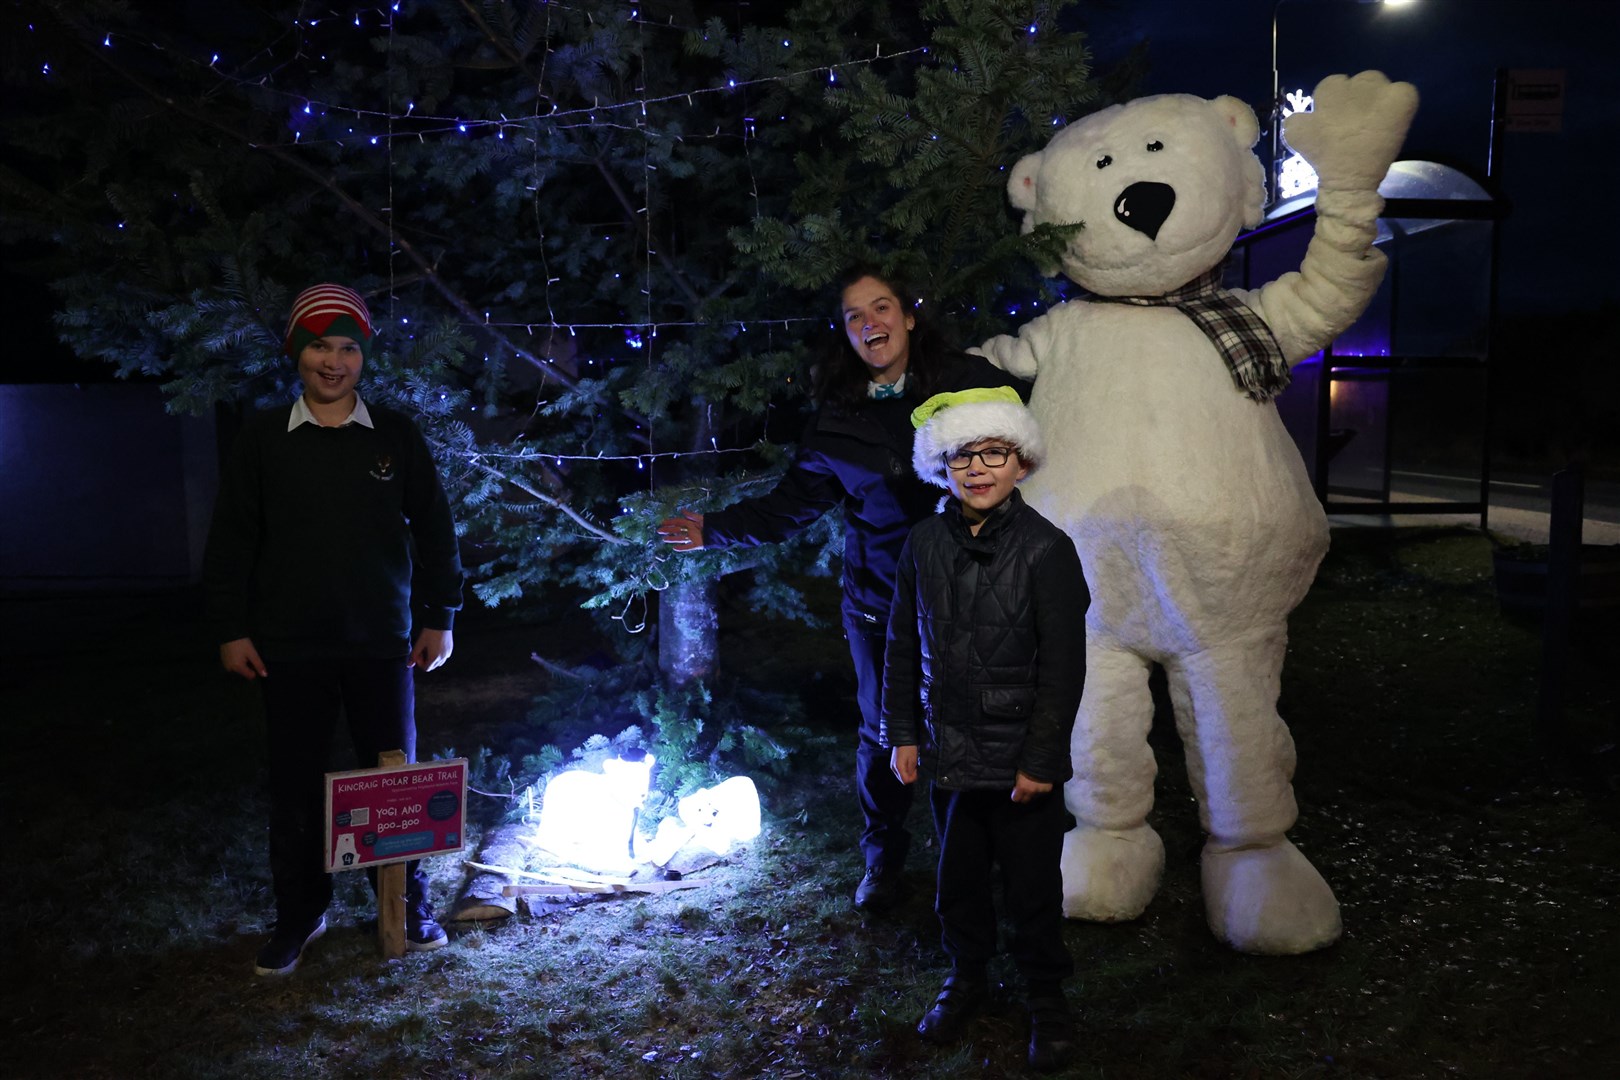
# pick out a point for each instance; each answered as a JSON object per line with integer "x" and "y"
{"x": 391, "y": 888}
{"x": 604, "y": 890}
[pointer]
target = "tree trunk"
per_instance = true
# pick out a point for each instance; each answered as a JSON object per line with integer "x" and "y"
{"x": 481, "y": 899}
{"x": 688, "y": 632}
{"x": 688, "y": 622}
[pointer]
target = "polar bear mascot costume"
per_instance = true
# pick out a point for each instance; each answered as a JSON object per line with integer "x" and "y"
{"x": 1170, "y": 468}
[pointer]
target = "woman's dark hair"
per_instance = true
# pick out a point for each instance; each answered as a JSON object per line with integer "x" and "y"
{"x": 839, "y": 378}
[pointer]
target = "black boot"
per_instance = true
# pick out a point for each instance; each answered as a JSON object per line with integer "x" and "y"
{"x": 1051, "y": 1032}
{"x": 881, "y": 888}
{"x": 422, "y": 932}
{"x": 948, "y": 1017}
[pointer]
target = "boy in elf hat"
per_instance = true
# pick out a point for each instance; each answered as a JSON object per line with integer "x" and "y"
{"x": 330, "y": 541}
{"x": 989, "y": 618}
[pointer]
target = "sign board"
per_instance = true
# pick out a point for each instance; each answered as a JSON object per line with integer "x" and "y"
{"x": 1535, "y": 100}
{"x": 393, "y": 814}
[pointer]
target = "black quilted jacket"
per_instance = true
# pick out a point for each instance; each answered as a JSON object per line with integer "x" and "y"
{"x": 992, "y": 627}
{"x": 861, "y": 460}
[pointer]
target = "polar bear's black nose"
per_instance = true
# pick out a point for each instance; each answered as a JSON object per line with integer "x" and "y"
{"x": 1144, "y": 206}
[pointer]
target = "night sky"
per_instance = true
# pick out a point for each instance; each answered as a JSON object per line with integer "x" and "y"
{"x": 1451, "y": 50}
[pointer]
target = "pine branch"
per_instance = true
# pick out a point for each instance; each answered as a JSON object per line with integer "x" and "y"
{"x": 631, "y": 215}
{"x": 551, "y": 501}
{"x": 425, "y": 267}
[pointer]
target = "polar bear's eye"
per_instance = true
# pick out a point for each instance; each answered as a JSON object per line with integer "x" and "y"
{"x": 1155, "y": 146}
{"x": 1104, "y": 161}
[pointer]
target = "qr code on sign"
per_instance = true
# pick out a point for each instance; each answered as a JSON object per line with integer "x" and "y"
{"x": 360, "y": 815}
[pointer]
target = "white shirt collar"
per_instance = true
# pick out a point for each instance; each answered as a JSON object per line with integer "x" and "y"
{"x": 880, "y": 390}
{"x": 302, "y": 415}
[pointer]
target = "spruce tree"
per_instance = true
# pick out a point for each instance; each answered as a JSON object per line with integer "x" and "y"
{"x": 594, "y": 235}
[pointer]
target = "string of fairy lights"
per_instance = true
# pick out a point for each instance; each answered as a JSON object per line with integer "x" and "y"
{"x": 555, "y": 119}
{"x": 383, "y": 127}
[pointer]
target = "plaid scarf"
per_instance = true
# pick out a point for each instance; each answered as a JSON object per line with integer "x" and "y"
{"x": 1243, "y": 339}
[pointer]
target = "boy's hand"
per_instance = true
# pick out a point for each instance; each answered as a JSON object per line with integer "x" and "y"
{"x": 1025, "y": 789}
{"x": 433, "y": 647}
{"x": 239, "y": 657}
{"x": 683, "y": 532}
{"x": 903, "y": 763}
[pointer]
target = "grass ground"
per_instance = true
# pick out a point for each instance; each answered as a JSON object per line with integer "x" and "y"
{"x": 1477, "y": 867}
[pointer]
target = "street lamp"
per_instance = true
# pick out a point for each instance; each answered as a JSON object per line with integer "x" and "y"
{"x": 1275, "y": 171}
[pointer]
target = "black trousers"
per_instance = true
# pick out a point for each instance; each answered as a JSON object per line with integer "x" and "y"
{"x": 885, "y": 801}
{"x": 303, "y": 702}
{"x": 978, "y": 829}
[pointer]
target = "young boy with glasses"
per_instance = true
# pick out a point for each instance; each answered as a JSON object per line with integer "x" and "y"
{"x": 988, "y": 624}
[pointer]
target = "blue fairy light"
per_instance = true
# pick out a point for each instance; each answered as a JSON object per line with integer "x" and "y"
{"x": 107, "y": 41}
{"x": 633, "y": 339}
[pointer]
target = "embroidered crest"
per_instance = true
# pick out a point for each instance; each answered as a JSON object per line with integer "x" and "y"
{"x": 384, "y": 469}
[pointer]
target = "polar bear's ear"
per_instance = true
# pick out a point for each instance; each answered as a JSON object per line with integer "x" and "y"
{"x": 1240, "y": 118}
{"x": 1021, "y": 185}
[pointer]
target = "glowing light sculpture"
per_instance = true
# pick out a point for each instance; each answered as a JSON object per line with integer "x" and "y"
{"x": 589, "y": 818}
{"x": 715, "y": 818}
{"x": 1294, "y": 174}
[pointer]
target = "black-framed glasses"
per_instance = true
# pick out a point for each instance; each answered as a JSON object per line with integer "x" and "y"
{"x": 994, "y": 457}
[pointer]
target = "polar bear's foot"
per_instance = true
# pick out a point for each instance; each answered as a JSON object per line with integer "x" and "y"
{"x": 1268, "y": 899}
{"x": 1109, "y": 875}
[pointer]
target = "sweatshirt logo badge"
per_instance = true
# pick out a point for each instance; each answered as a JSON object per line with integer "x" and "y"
{"x": 384, "y": 469}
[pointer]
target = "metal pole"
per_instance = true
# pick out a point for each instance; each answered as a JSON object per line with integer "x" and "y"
{"x": 1276, "y": 112}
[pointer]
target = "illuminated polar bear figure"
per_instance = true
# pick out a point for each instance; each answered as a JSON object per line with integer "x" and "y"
{"x": 715, "y": 819}
{"x": 589, "y": 818}
{"x": 1170, "y": 468}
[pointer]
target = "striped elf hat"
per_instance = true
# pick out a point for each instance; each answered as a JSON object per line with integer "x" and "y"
{"x": 328, "y": 310}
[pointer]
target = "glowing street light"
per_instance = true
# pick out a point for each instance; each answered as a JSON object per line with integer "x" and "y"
{"x": 1291, "y": 175}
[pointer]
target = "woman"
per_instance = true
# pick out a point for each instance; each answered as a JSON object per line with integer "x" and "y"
{"x": 856, "y": 453}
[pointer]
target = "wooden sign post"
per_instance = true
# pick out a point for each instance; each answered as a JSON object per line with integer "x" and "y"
{"x": 387, "y": 816}
{"x": 391, "y": 888}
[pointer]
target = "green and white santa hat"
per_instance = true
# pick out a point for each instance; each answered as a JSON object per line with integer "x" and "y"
{"x": 328, "y": 311}
{"x": 948, "y": 422}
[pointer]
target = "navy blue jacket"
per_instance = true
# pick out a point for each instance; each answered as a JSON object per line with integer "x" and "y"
{"x": 859, "y": 459}
{"x": 324, "y": 539}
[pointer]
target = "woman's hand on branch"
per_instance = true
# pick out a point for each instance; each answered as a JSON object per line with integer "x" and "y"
{"x": 683, "y": 532}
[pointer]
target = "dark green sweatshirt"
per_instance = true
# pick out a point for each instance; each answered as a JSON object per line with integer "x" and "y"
{"x": 324, "y": 539}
